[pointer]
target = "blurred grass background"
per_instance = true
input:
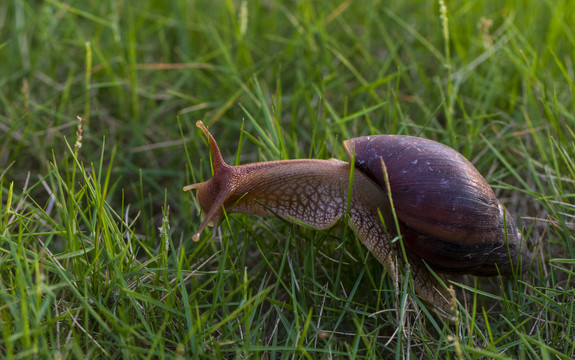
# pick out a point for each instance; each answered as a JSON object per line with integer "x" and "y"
{"x": 96, "y": 255}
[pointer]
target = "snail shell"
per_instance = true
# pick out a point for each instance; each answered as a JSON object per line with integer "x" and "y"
{"x": 449, "y": 215}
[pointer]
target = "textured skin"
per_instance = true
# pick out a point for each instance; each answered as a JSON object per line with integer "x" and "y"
{"x": 315, "y": 192}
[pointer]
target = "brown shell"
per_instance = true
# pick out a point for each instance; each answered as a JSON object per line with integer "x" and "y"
{"x": 448, "y": 213}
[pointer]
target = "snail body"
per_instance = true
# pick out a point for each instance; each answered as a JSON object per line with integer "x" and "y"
{"x": 448, "y": 216}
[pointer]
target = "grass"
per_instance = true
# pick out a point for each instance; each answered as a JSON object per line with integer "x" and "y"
{"x": 96, "y": 255}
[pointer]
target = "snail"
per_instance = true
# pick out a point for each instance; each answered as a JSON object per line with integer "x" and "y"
{"x": 447, "y": 215}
